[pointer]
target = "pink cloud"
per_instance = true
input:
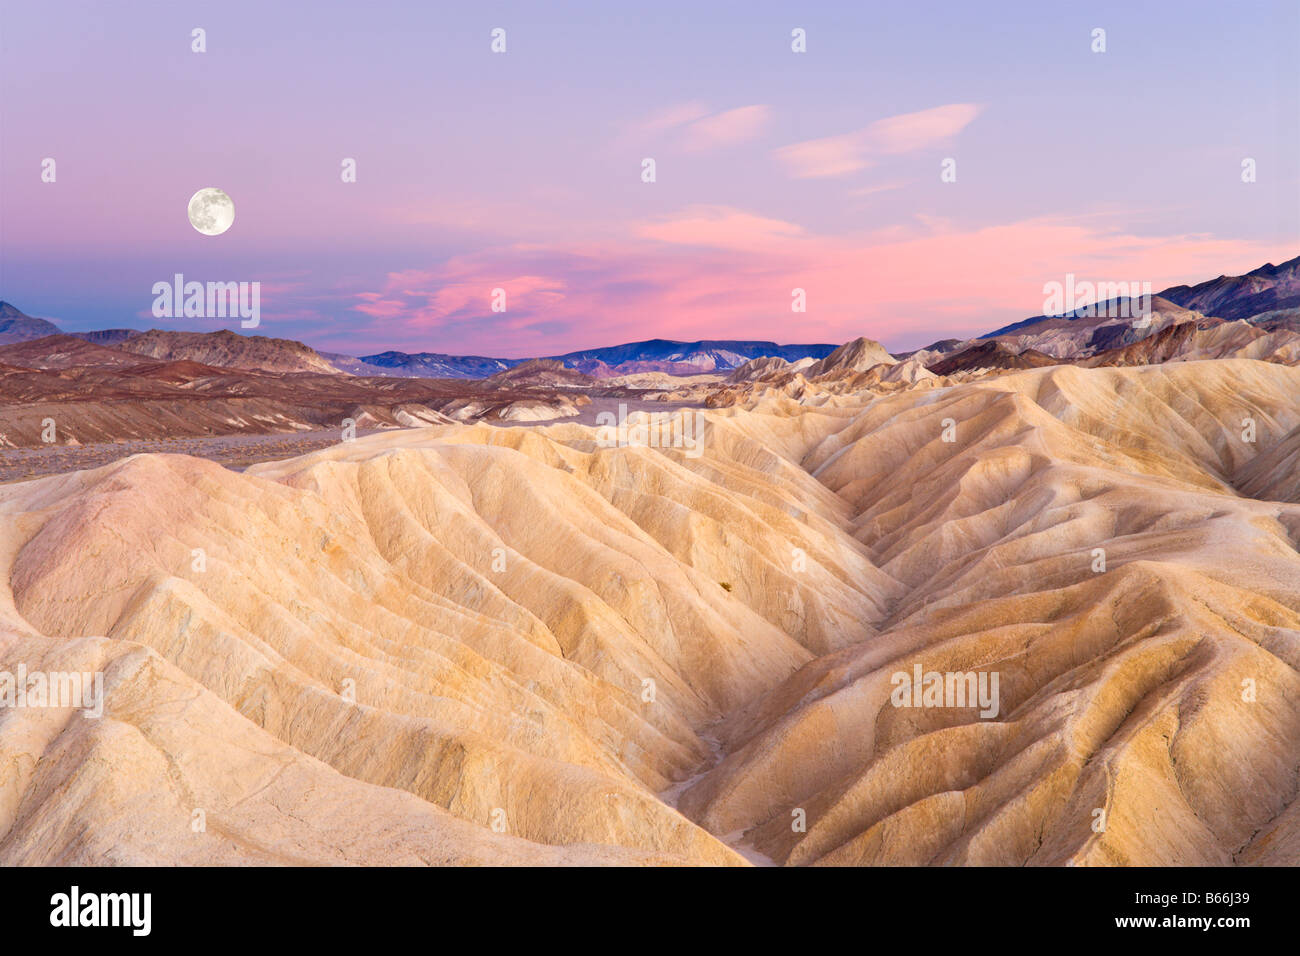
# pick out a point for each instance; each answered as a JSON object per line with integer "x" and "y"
{"x": 692, "y": 126}
{"x": 671, "y": 117}
{"x": 830, "y": 156}
{"x": 715, "y": 272}
{"x": 720, "y": 227}
{"x": 913, "y": 131}
{"x": 877, "y": 188}
{"x": 728, "y": 127}
{"x": 850, "y": 152}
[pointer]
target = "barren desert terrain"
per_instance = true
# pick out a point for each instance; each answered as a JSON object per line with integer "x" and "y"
{"x": 464, "y": 643}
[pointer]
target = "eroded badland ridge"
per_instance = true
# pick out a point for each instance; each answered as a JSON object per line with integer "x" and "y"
{"x": 468, "y": 643}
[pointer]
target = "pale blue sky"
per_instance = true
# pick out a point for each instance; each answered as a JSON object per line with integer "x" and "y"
{"x": 521, "y": 170}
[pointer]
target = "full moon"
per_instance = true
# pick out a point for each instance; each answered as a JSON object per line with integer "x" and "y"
{"x": 211, "y": 211}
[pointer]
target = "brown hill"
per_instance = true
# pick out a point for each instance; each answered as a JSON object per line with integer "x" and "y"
{"x": 17, "y": 326}
{"x": 108, "y": 337}
{"x": 63, "y": 351}
{"x": 230, "y": 350}
{"x": 538, "y": 372}
{"x": 135, "y": 397}
{"x": 1191, "y": 341}
{"x": 992, "y": 354}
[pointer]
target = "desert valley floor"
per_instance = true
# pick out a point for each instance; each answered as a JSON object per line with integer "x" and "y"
{"x": 433, "y": 645}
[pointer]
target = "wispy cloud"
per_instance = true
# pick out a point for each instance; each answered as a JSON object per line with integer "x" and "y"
{"x": 694, "y": 127}
{"x": 850, "y": 152}
{"x": 671, "y": 117}
{"x": 877, "y": 188}
{"x": 728, "y": 127}
{"x": 720, "y": 227}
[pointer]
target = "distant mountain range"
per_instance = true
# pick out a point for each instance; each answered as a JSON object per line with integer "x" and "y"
{"x": 653, "y": 355}
{"x": 1268, "y": 288}
{"x": 228, "y": 348}
{"x": 423, "y": 365}
{"x": 1267, "y": 298}
{"x": 688, "y": 357}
